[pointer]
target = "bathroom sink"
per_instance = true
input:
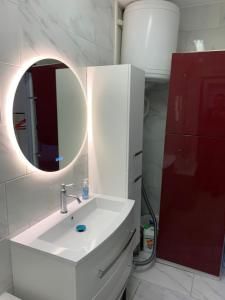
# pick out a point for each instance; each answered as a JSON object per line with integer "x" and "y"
{"x": 100, "y": 216}
{"x": 57, "y": 234}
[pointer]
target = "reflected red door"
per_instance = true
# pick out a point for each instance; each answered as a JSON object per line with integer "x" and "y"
{"x": 44, "y": 86}
{"x": 192, "y": 215}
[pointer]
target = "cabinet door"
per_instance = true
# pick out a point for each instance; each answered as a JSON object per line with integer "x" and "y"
{"x": 197, "y": 94}
{"x": 192, "y": 215}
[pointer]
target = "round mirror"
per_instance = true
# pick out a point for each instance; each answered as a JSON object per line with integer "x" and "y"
{"x": 50, "y": 115}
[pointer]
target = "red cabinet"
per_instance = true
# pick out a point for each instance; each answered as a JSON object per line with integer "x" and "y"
{"x": 197, "y": 94}
{"x": 192, "y": 214}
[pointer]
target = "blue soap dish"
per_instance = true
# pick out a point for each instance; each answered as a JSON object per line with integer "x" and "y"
{"x": 81, "y": 228}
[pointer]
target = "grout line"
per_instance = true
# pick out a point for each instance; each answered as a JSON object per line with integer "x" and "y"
{"x": 16, "y": 178}
{"x": 7, "y": 211}
{"x": 192, "y": 285}
{"x": 176, "y": 267}
{"x": 135, "y": 292}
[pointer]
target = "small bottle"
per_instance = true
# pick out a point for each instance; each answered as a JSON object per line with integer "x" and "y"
{"x": 85, "y": 189}
{"x": 148, "y": 238}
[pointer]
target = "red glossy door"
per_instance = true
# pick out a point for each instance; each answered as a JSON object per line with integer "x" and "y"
{"x": 192, "y": 214}
{"x": 197, "y": 94}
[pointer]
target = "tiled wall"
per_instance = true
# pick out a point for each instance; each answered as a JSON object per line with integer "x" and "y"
{"x": 81, "y": 33}
{"x": 205, "y": 23}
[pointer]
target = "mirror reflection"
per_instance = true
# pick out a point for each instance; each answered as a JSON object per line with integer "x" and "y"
{"x": 49, "y": 115}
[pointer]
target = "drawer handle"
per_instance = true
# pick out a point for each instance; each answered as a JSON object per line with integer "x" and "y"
{"x": 137, "y": 179}
{"x": 103, "y": 272}
{"x": 138, "y": 153}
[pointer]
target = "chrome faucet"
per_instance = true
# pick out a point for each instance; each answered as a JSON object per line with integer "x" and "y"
{"x": 64, "y": 196}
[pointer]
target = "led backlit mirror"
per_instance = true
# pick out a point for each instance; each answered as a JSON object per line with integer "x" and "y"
{"x": 50, "y": 115}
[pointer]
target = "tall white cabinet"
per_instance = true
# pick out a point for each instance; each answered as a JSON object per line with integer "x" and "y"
{"x": 116, "y": 102}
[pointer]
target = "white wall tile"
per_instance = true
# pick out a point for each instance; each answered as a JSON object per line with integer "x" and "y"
{"x": 213, "y": 39}
{"x": 80, "y": 32}
{"x": 154, "y": 134}
{"x": 9, "y": 33}
{"x": 11, "y": 166}
{"x": 33, "y": 197}
{"x": 200, "y": 17}
{"x": 5, "y": 266}
{"x": 3, "y": 213}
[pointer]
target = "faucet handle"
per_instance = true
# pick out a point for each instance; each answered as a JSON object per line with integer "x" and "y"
{"x": 64, "y": 186}
{"x": 70, "y": 184}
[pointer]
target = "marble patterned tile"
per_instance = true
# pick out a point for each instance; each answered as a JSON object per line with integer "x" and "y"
{"x": 79, "y": 32}
{"x": 3, "y": 213}
{"x": 132, "y": 286}
{"x": 148, "y": 291}
{"x": 33, "y": 197}
{"x": 205, "y": 288}
{"x": 5, "y": 267}
{"x": 9, "y": 33}
{"x": 154, "y": 135}
{"x": 52, "y": 33}
{"x": 11, "y": 165}
{"x": 222, "y": 14}
{"x": 167, "y": 277}
{"x": 200, "y": 17}
{"x": 7, "y": 74}
{"x": 210, "y": 39}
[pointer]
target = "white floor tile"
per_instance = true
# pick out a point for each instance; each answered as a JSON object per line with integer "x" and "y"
{"x": 148, "y": 291}
{"x": 205, "y": 288}
{"x": 167, "y": 277}
{"x": 132, "y": 286}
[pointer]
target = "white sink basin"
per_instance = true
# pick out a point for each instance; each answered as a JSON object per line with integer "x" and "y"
{"x": 57, "y": 234}
{"x": 99, "y": 216}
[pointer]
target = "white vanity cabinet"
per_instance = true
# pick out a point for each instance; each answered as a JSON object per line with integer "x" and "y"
{"x": 52, "y": 261}
{"x": 116, "y": 98}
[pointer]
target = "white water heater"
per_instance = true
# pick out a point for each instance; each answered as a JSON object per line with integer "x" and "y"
{"x": 150, "y": 32}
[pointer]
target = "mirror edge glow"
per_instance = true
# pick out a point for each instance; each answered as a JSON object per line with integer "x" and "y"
{"x": 9, "y": 111}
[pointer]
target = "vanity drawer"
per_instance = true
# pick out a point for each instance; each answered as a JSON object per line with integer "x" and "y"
{"x": 113, "y": 287}
{"x": 97, "y": 270}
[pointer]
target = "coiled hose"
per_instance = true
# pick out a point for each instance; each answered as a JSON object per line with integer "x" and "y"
{"x": 151, "y": 260}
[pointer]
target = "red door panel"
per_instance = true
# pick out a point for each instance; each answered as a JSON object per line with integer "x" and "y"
{"x": 44, "y": 86}
{"x": 192, "y": 216}
{"x": 197, "y": 94}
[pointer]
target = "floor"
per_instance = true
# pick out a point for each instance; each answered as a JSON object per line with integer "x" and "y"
{"x": 164, "y": 282}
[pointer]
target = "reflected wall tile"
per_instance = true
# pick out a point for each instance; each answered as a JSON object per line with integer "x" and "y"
{"x": 9, "y": 33}
{"x": 3, "y": 213}
{"x": 5, "y": 267}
